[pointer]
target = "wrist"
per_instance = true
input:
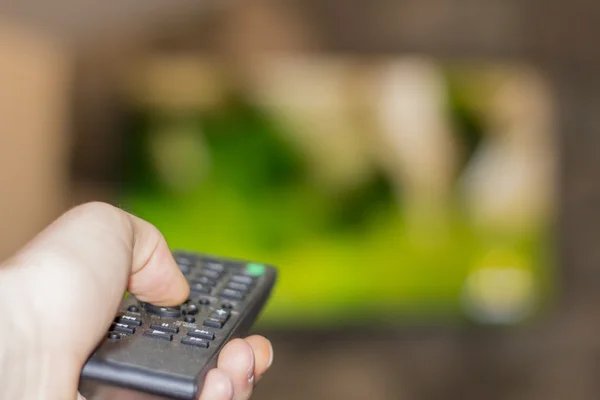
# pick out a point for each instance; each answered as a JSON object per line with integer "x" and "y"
{"x": 29, "y": 369}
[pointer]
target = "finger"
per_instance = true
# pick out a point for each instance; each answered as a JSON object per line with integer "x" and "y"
{"x": 217, "y": 386}
{"x": 237, "y": 361}
{"x": 92, "y": 253}
{"x": 84, "y": 261}
{"x": 263, "y": 354}
{"x": 120, "y": 250}
{"x": 155, "y": 277}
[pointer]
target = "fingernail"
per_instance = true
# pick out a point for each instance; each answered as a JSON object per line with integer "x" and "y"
{"x": 230, "y": 391}
{"x": 272, "y": 354}
{"x": 251, "y": 369}
{"x": 251, "y": 374}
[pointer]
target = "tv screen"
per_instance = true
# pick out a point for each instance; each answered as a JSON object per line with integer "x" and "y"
{"x": 397, "y": 191}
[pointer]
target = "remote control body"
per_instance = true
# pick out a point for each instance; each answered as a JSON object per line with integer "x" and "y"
{"x": 165, "y": 352}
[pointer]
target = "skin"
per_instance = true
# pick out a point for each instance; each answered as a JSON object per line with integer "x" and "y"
{"x": 59, "y": 294}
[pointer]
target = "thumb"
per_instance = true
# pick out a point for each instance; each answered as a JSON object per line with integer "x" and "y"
{"x": 82, "y": 262}
{"x": 119, "y": 250}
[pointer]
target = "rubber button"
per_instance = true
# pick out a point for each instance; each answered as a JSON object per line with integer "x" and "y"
{"x": 185, "y": 269}
{"x": 220, "y": 315}
{"x": 205, "y": 280}
{"x": 183, "y": 259}
{"x": 192, "y": 341}
{"x": 159, "y": 335}
{"x": 202, "y": 334}
{"x": 169, "y": 312}
{"x": 213, "y": 323}
{"x": 255, "y": 269}
{"x": 210, "y": 274}
{"x": 197, "y": 287}
{"x": 214, "y": 266}
{"x": 165, "y": 328}
{"x": 190, "y": 309}
{"x": 122, "y": 328}
{"x": 246, "y": 280}
{"x": 232, "y": 294}
{"x": 129, "y": 320}
{"x": 238, "y": 286}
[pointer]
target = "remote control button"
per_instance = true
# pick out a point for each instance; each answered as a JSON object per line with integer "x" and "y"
{"x": 220, "y": 315}
{"x": 192, "y": 341}
{"x": 204, "y": 301}
{"x": 202, "y": 334}
{"x": 200, "y": 287}
{"x": 213, "y": 323}
{"x": 232, "y": 294}
{"x": 189, "y": 319}
{"x": 185, "y": 269}
{"x": 214, "y": 266}
{"x": 205, "y": 280}
{"x": 169, "y": 312}
{"x": 246, "y": 280}
{"x": 210, "y": 274}
{"x": 159, "y": 335}
{"x": 227, "y": 306}
{"x": 129, "y": 320}
{"x": 190, "y": 309}
{"x": 133, "y": 309}
{"x": 165, "y": 328}
{"x": 255, "y": 269}
{"x": 238, "y": 286}
{"x": 183, "y": 259}
{"x": 122, "y": 328}
{"x": 114, "y": 336}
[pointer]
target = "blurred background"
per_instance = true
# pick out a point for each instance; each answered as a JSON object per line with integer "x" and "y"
{"x": 421, "y": 172}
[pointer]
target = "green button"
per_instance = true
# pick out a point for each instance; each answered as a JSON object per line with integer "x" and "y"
{"x": 255, "y": 269}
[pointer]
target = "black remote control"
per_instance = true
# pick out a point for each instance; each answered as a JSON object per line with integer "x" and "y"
{"x": 167, "y": 351}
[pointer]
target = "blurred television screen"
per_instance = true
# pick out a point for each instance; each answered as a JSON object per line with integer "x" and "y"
{"x": 397, "y": 190}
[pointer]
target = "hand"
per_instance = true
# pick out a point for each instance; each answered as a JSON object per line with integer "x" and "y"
{"x": 60, "y": 293}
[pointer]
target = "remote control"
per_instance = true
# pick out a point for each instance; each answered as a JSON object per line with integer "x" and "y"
{"x": 166, "y": 352}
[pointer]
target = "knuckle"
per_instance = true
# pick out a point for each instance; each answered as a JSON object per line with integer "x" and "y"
{"x": 95, "y": 208}
{"x": 98, "y": 211}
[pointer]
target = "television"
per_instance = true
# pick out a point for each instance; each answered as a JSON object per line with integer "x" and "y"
{"x": 387, "y": 191}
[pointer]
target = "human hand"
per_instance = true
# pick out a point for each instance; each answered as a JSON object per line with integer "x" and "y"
{"x": 59, "y": 295}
